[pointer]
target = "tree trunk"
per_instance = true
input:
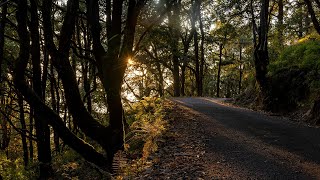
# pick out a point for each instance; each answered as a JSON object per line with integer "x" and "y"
{"x": 43, "y": 112}
{"x": 197, "y": 63}
{"x": 261, "y": 58}
{"x": 54, "y": 104}
{"x": 313, "y": 15}
{"x": 219, "y": 70}
{"x": 23, "y": 132}
{"x": 42, "y": 128}
{"x": 2, "y": 29}
{"x": 315, "y": 113}
{"x": 196, "y": 46}
{"x": 160, "y": 77}
{"x": 31, "y": 117}
{"x": 45, "y": 70}
{"x": 4, "y": 143}
{"x": 112, "y": 64}
{"x": 202, "y": 60}
{"x": 174, "y": 24}
{"x": 240, "y": 69}
{"x": 183, "y": 79}
{"x": 280, "y": 23}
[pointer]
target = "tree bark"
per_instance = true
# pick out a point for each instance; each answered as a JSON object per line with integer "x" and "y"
{"x": 54, "y": 104}
{"x": 202, "y": 60}
{"x": 31, "y": 116}
{"x": 43, "y": 111}
{"x": 42, "y": 129}
{"x": 219, "y": 69}
{"x": 196, "y": 46}
{"x": 4, "y": 143}
{"x": 313, "y": 15}
{"x": 173, "y": 18}
{"x": 280, "y": 23}
{"x": 160, "y": 79}
{"x": 112, "y": 64}
{"x": 60, "y": 60}
{"x": 23, "y": 132}
{"x": 240, "y": 68}
{"x": 2, "y": 30}
{"x": 261, "y": 58}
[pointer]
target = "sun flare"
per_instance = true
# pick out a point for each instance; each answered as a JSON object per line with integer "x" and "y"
{"x": 130, "y": 61}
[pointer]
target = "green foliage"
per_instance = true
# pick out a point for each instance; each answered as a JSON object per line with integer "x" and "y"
{"x": 294, "y": 75}
{"x": 146, "y": 126}
{"x": 70, "y": 165}
{"x": 66, "y": 157}
{"x": 305, "y": 54}
{"x": 14, "y": 169}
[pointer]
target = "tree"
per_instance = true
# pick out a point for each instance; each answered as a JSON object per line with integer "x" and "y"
{"x": 315, "y": 113}
{"x": 261, "y": 57}
{"x": 311, "y": 11}
{"x": 174, "y": 29}
{"x": 2, "y": 29}
{"x": 42, "y": 111}
{"x": 42, "y": 128}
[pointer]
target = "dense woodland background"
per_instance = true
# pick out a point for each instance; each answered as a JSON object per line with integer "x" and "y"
{"x": 78, "y": 74}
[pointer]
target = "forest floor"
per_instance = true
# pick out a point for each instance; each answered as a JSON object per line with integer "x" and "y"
{"x": 208, "y": 139}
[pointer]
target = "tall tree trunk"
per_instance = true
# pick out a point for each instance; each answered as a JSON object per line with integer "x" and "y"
{"x": 4, "y": 143}
{"x": 261, "y": 58}
{"x": 112, "y": 64}
{"x": 174, "y": 23}
{"x": 240, "y": 68}
{"x": 196, "y": 46}
{"x": 86, "y": 85}
{"x": 45, "y": 70}
{"x": 202, "y": 60}
{"x": 23, "y": 132}
{"x": 197, "y": 63}
{"x": 254, "y": 25}
{"x": 219, "y": 69}
{"x": 280, "y": 23}
{"x": 2, "y": 30}
{"x": 183, "y": 79}
{"x": 186, "y": 45}
{"x": 31, "y": 117}
{"x": 54, "y": 104}
{"x": 42, "y": 128}
{"x": 160, "y": 78}
{"x": 313, "y": 15}
{"x": 300, "y": 11}
{"x": 43, "y": 112}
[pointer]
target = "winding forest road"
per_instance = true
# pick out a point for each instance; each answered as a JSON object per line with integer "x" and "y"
{"x": 212, "y": 141}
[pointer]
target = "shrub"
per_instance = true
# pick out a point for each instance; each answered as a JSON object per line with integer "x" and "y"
{"x": 13, "y": 169}
{"x": 146, "y": 126}
{"x": 305, "y": 54}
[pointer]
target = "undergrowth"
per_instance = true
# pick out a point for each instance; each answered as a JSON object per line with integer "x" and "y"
{"x": 14, "y": 169}
{"x": 147, "y": 124}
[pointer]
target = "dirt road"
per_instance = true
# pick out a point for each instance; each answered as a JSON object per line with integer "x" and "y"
{"x": 210, "y": 140}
